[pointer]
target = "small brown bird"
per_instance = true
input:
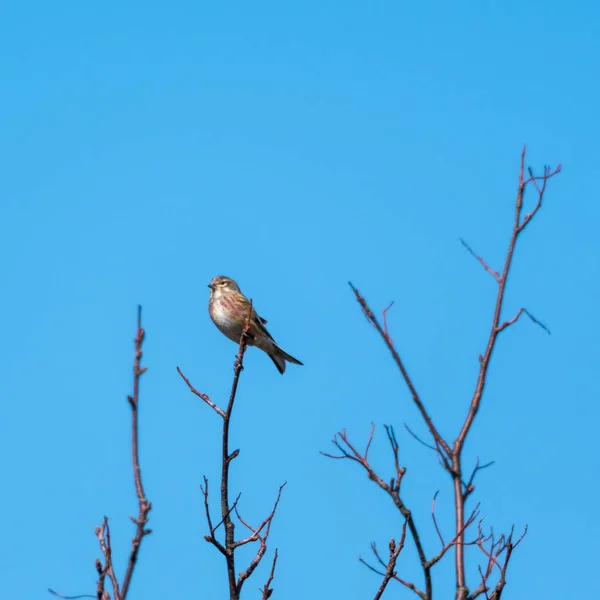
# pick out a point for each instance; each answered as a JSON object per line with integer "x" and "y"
{"x": 228, "y": 309}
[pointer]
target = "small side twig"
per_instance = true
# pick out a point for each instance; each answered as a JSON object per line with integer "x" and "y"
{"x": 389, "y": 572}
{"x": 256, "y": 536}
{"x": 348, "y": 451}
{"x": 51, "y": 591}
{"x": 390, "y": 568}
{"x": 469, "y": 487}
{"x": 415, "y": 396}
{"x": 503, "y": 546}
{"x": 482, "y": 262}
{"x": 267, "y": 591}
{"x": 201, "y": 395}
{"x": 103, "y": 535}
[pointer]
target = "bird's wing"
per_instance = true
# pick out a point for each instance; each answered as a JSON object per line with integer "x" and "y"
{"x": 260, "y": 322}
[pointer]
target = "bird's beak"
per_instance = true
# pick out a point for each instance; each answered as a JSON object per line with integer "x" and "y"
{"x": 211, "y": 286}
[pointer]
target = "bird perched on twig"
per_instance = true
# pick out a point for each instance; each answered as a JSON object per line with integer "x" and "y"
{"x": 228, "y": 309}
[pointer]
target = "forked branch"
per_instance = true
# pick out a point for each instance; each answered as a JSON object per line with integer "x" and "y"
{"x": 228, "y": 546}
{"x": 103, "y": 532}
{"x": 451, "y": 454}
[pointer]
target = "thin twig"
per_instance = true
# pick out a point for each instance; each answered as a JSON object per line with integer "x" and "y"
{"x": 459, "y": 534}
{"x": 435, "y": 520}
{"x": 266, "y": 523}
{"x": 348, "y": 451}
{"x": 244, "y": 575}
{"x": 101, "y": 593}
{"x": 226, "y": 458}
{"x": 519, "y": 225}
{"x": 389, "y": 572}
{"x": 103, "y": 535}
{"x": 419, "y": 439}
{"x": 385, "y": 325}
{"x": 51, "y": 591}
{"x": 469, "y": 487}
{"x": 415, "y": 396}
{"x": 267, "y": 591}
{"x": 144, "y": 504}
{"x": 260, "y": 534}
{"x": 482, "y": 262}
{"x": 201, "y": 395}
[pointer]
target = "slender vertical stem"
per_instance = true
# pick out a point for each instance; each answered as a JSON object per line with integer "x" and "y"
{"x": 144, "y": 504}
{"x": 226, "y": 458}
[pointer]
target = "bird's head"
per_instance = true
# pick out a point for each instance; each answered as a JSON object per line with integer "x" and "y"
{"x": 222, "y": 285}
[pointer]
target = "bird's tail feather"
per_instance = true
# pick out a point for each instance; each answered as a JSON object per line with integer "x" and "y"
{"x": 280, "y": 357}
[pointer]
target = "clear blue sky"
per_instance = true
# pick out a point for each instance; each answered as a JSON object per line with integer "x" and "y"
{"x": 149, "y": 146}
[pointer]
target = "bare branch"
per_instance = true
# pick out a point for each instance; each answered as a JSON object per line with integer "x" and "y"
{"x": 201, "y": 395}
{"x": 519, "y": 225}
{"x": 211, "y": 538}
{"x": 370, "y": 441}
{"x": 260, "y": 534}
{"x": 226, "y": 458}
{"x": 548, "y": 174}
{"x": 51, "y": 591}
{"x": 435, "y": 520}
{"x": 385, "y": 325}
{"x": 419, "y": 439}
{"x": 267, "y": 591}
{"x": 266, "y": 523}
{"x": 103, "y": 535}
{"x": 482, "y": 262}
{"x": 503, "y": 546}
{"x": 458, "y": 535}
{"x": 257, "y": 537}
{"x": 415, "y": 396}
{"x": 469, "y": 487}
{"x": 389, "y": 572}
{"x": 392, "y": 489}
{"x": 391, "y": 566}
{"x": 144, "y": 505}
{"x": 521, "y": 311}
{"x": 101, "y": 593}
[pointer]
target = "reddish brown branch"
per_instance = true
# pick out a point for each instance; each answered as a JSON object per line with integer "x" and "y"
{"x": 459, "y": 534}
{"x": 415, "y": 396}
{"x": 503, "y": 546}
{"x": 103, "y": 532}
{"x": 267, "y": 591}
{"x": 201, "y": 395}
{"x": 260, "y": 534}
{"x": 100, "y": 591}
{"x": 385, "y": 325}
{"x": 266, "y": 523}
{"x": 212, "y": 538}
{"x": 451, "y": 455}
{"x": 389, "y": 572}
{"x": 226, "y": 458}
{"x": 144, "y": 505}
{"x": 519, "y": 225}
{"x": 390, "y": 567}
{"x": 348, "y": 451}
{"x": 257, "y": 537}
{"x": 103, "y": 535}
{"x": 437, "y": 529}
